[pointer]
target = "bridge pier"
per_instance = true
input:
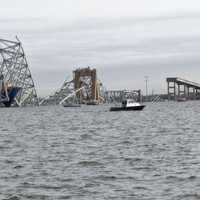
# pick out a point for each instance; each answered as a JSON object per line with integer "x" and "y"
{"x": 181, "y": 91}
{"x": 171, "y": 90}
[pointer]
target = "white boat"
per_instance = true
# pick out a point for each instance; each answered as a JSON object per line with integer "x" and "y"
{"x": 128, "y": 105}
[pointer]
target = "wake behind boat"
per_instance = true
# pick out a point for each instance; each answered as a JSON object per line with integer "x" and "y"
{"x": 128, "y": 105}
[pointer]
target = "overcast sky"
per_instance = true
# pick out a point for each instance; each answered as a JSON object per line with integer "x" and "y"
{"x": 124, "y": 39}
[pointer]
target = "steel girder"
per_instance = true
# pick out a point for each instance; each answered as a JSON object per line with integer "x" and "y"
{"x": 66, "y": 89}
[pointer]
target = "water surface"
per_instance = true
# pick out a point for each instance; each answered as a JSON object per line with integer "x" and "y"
{"x": 52, "y": 153}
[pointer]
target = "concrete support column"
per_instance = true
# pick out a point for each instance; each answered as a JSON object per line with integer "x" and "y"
{"x": 188, "y": 91}
{"x": 168, "y": 90}
{"x": 185, "y": 91}
{"x": 175, "y": 96}
{"x": 194, "y": 93}
{"x": 179, "y": 90}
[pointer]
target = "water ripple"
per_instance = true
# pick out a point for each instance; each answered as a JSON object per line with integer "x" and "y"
{"x": 88, "y": 153}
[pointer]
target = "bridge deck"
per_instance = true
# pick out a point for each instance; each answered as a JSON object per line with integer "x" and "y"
{"x": 183, "y": 82}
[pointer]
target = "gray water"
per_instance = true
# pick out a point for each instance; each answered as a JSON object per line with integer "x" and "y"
{"x": 89, "y": 153}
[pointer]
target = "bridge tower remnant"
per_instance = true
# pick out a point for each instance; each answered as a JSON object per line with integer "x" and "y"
{"x": 87, "y": 78}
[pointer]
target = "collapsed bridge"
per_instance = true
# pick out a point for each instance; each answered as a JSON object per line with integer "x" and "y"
{"x": 14, "y": 68}
{"x": 84, "y": 88}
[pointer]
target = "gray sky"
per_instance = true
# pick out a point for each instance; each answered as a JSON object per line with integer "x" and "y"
{"x": 124, "y": 39}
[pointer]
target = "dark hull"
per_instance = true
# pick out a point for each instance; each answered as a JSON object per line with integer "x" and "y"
{"x": 92, "y": 103}
{"x": 72, "y": 105}
{"x": 12, "y": 93}
{"x": 181, "y": 99}
{"x": 127, "y": 108}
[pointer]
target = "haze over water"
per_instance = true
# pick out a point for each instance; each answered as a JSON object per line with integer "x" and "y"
{"x": 89, "y": 153}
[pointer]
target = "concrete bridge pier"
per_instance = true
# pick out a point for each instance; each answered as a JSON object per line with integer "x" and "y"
{"x": 171, "y": 90}
{"x": 182, "y": 91}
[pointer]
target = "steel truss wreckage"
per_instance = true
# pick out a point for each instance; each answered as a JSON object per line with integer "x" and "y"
{"x": 84, "y": 88}
{"x": 15, "y": 70}
{"x": 66, "y": 89}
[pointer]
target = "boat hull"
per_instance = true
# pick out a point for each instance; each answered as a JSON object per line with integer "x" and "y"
{"x": 72, "y": 105}
{"x": 134, "y": 108}
{"x": 12, "y": 93}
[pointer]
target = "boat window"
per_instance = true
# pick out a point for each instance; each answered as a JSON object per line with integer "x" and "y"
{"x": 124, "y": 103}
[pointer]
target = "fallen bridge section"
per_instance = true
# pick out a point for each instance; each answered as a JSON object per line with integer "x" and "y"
{"x": 182, "y": 89}
{"x": 84, "y": 88}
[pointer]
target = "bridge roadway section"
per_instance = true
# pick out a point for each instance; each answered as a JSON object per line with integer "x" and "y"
{"x": 179, "y": 88}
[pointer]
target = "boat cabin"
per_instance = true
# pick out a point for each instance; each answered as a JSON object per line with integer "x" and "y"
{"x": 129, "y": 103}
